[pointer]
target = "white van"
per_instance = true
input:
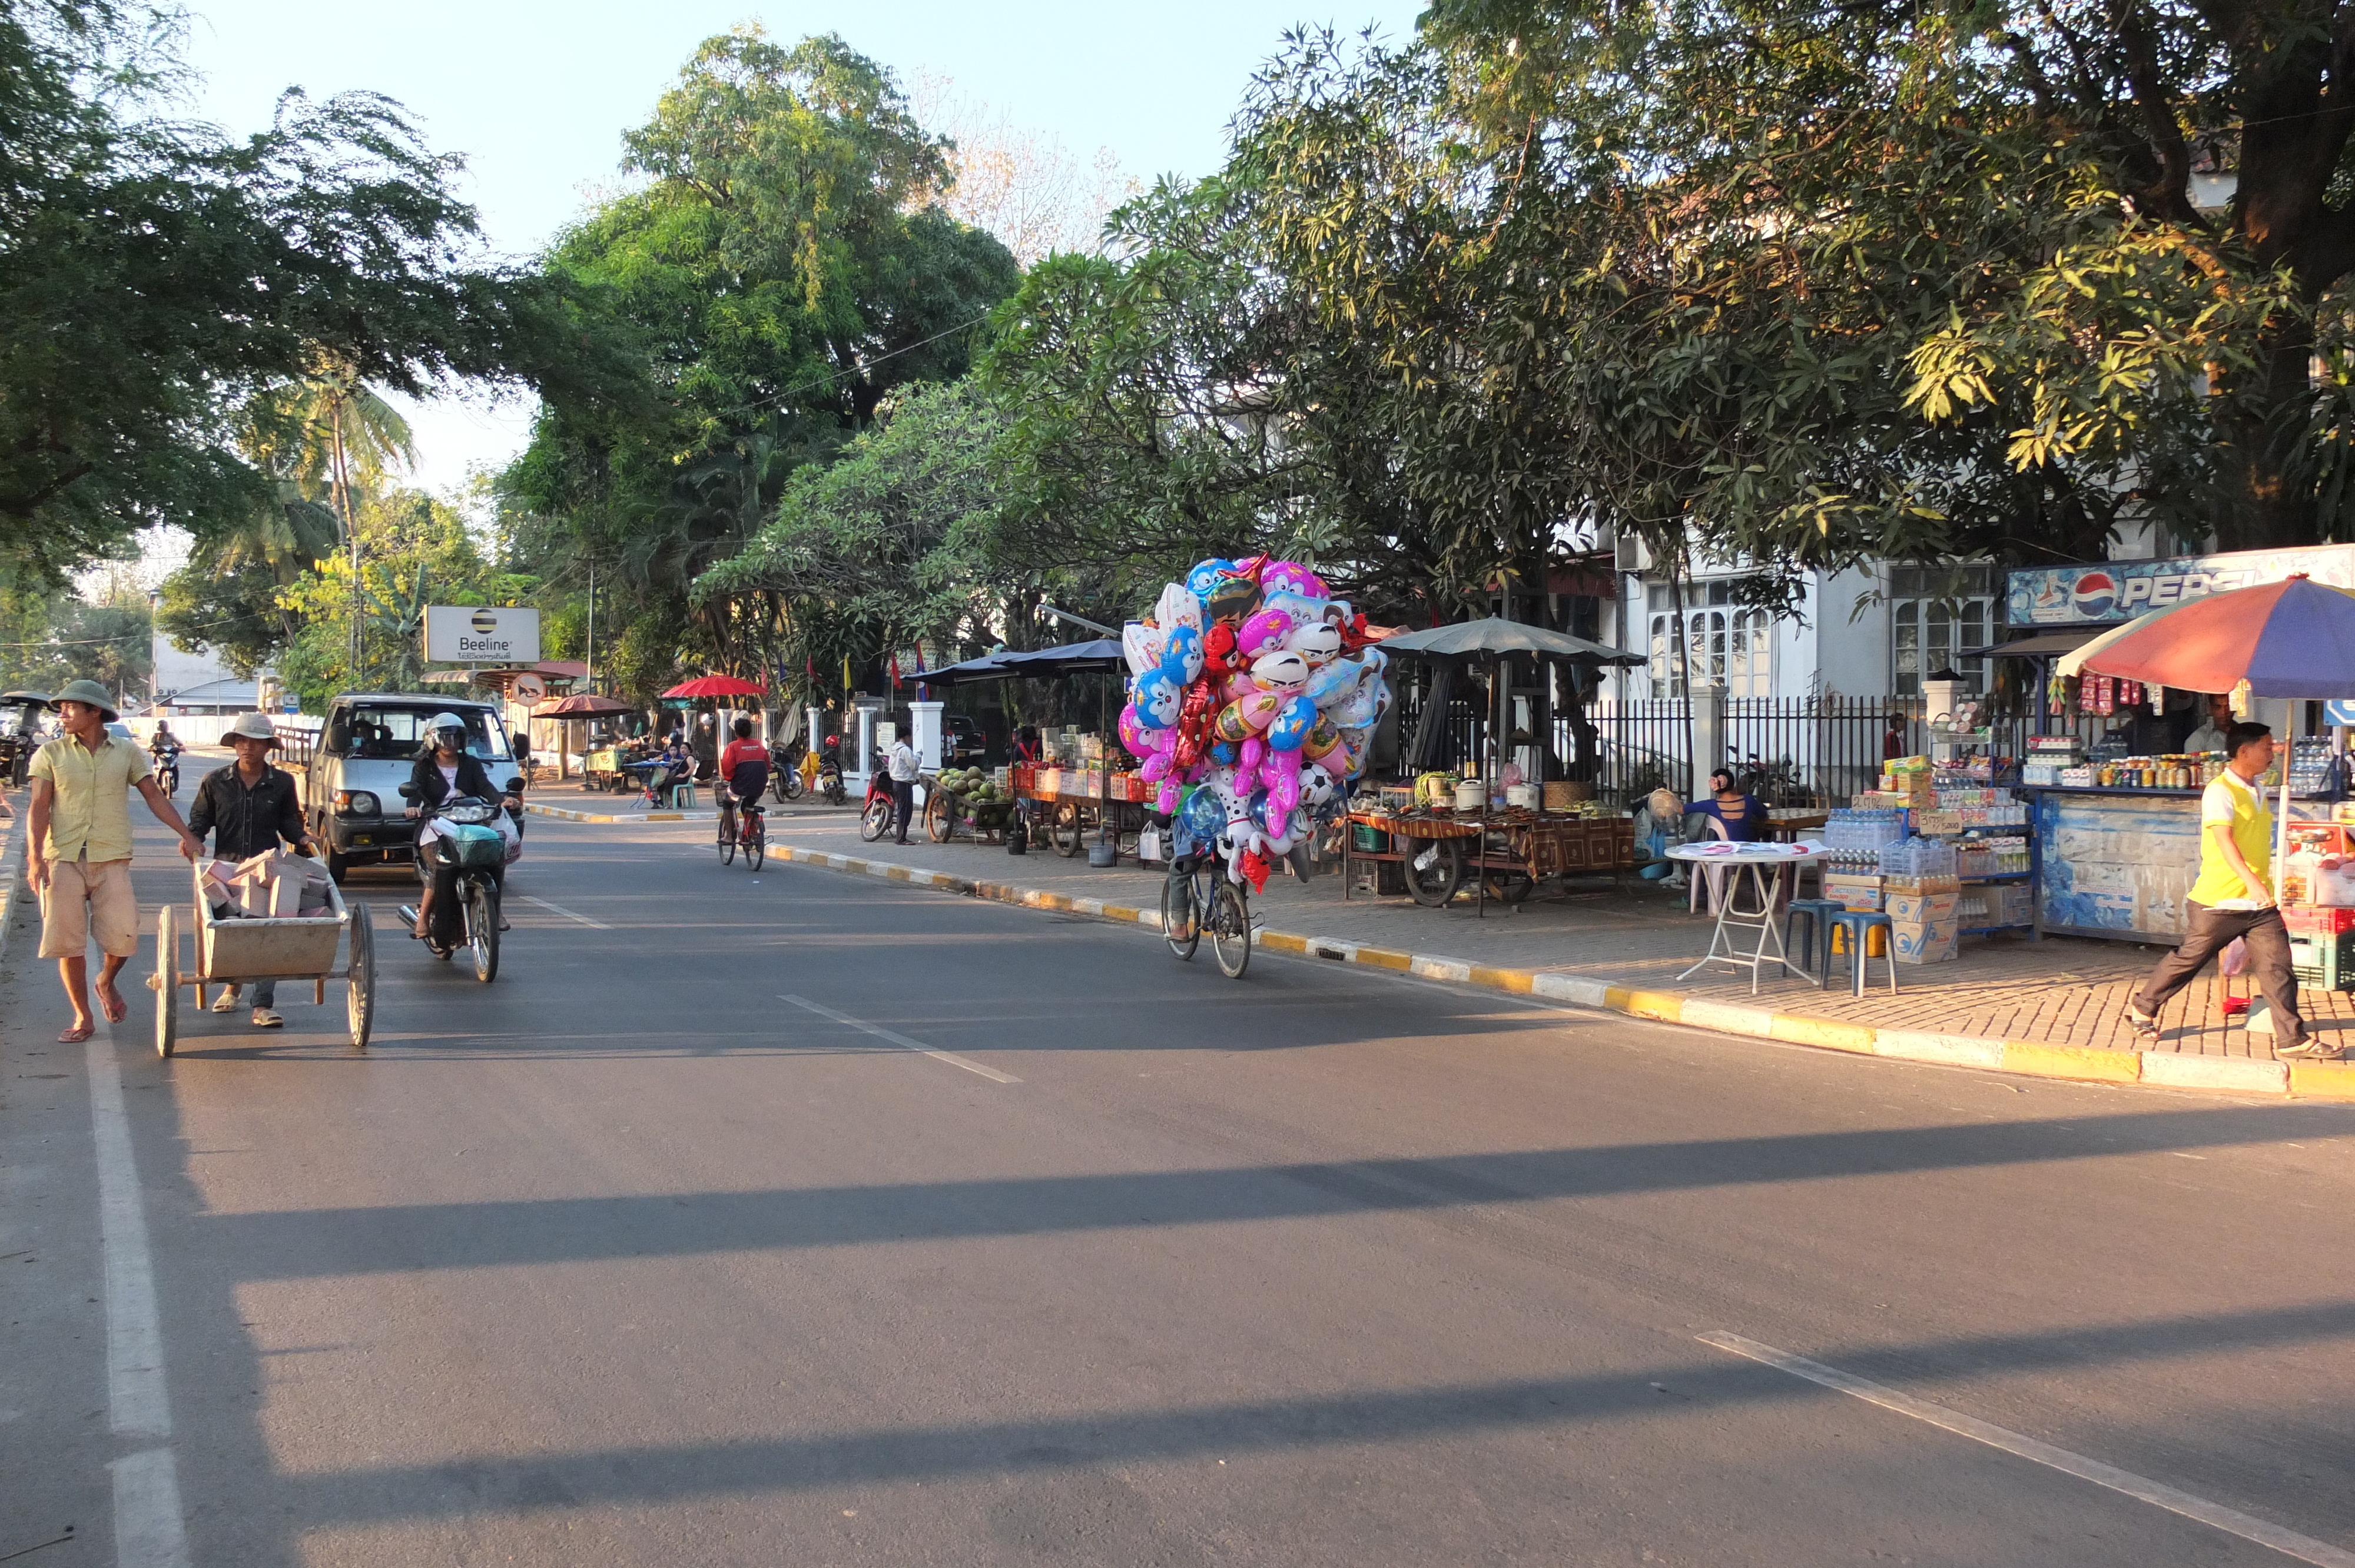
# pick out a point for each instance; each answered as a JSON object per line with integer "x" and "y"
{"x": 366, "y": 752}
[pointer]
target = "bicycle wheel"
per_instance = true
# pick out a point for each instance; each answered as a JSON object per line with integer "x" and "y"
{"x": 1179, "y": 927}
{"x": 727, "y": 841}
{"x": 756, "y": 842}
{"x": 1231, "y": 930}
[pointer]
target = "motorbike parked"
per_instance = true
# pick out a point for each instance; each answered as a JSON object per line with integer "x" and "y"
{"x": 876, "y": 811}
{"x": 784, "y": 773}
{"x": 468, "y": 864}
{"x": 829, "y": 772}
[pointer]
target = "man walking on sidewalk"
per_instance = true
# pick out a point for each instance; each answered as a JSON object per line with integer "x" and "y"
{"x": 248, "y": 807}
{"x": 2234, "y": 899}
{"x": 79, "y": 849}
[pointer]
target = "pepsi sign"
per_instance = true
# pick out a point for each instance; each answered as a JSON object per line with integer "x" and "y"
{"x": 2120, "y": 590}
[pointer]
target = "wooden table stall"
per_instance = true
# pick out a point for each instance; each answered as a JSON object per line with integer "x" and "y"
{"x": 1071, "y": 802}
{"x": 1515, "y": 848}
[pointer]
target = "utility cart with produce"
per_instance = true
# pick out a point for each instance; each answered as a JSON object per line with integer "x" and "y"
{"x": 967, "y": 800}
{"x": 283, "y": 921}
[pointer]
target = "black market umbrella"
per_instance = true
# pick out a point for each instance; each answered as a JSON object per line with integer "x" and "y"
{"x": 1497, "y": 638}
{"x": 967, "y": 673}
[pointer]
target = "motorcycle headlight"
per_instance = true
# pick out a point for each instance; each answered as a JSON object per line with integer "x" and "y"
{"x": 358, "y": 803}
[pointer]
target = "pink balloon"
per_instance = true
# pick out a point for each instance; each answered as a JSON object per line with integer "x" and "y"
{"x": 1262, "y": 632}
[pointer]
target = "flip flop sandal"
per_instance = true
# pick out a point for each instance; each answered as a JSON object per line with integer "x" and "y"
{"x": 76, "y": 1035}
{"x": 116, "y": 1011}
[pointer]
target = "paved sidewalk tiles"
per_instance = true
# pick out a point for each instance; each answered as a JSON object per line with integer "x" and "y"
{"x": 2051, "y": 1009}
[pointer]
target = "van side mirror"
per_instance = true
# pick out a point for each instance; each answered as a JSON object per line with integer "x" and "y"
{"x": 408, "y": 792}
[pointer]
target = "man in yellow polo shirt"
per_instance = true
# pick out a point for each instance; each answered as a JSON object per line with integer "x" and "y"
{"x": 79, "y": 848}
{"x": 2234, "y": 897}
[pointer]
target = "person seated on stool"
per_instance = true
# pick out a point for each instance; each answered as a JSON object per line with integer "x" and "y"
{"x": 1734, "y": 816}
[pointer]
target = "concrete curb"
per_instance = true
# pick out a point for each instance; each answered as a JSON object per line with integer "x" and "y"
{"x": 565, "y": 815}
{"x": 2027, "y": 1058}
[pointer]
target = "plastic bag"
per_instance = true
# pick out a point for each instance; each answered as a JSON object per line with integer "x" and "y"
{"x": 2235, "y": 960}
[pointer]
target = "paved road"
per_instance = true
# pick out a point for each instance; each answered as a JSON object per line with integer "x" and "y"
{"x": 630, "y": 1259}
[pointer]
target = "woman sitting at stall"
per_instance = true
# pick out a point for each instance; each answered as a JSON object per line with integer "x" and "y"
{"x": 1737, "y": 815}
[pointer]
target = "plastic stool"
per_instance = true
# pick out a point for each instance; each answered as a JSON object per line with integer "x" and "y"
{"x": 1819, "y": 913}
{"x": 682, "y": 796}
{"x": 1859, "y": 924}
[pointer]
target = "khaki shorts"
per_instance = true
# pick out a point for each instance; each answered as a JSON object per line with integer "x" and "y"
{"x": 83, "y": 893}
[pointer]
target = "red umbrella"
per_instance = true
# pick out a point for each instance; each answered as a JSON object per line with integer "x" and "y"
{"x": 714, "y": 687}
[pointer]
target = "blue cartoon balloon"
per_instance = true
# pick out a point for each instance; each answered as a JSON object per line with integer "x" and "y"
{"x": 1290, "y": 730}
{"x": 1206, "y": 575}
{"x": 1204, "y": 813}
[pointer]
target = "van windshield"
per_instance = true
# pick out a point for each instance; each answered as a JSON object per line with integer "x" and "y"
{"x": 396, "y": 734}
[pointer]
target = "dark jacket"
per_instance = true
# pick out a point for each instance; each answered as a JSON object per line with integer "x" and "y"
{"x": 245, "y": 822}
{"x": 473, "y": 779}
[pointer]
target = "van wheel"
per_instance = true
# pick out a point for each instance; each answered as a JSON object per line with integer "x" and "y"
{"x": 337, "y": 865}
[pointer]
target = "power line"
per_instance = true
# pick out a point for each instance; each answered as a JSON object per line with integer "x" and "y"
{"x": 862, "y": 367}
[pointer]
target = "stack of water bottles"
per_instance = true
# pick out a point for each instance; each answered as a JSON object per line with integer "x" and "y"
{"x": 1918, "y": 858}
{"x": 1857, "y": 837}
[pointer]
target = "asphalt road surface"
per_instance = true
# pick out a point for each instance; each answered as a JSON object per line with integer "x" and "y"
{"x": 671, "y": 1247}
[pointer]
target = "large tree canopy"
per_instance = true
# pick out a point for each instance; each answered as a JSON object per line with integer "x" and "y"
{"x": 783, "y": 268}
{"x": 156, "y": 276}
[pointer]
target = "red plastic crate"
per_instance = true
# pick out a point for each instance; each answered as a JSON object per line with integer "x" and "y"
{"x": 2312, "y": 920}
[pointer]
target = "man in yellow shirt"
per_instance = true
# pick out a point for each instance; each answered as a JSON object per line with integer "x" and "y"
{"x": 2234, "y": 897}
{"x": 78, "y": 850}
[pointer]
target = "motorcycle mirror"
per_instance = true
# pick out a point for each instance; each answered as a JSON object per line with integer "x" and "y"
{"x": 513, "y": 786}
{"x": 408, "y": 792}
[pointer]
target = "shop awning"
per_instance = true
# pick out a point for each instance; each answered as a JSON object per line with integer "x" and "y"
{"x": 2043, "y": 645}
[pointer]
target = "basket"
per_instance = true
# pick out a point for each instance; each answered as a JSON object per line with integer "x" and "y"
{"x": 468, "y": 845}
{"x": 1367, "y": 837}
{"x": 1561, "y": 794}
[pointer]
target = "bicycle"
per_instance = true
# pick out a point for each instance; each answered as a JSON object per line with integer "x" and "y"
{"x": 753, "y": 840}
{"x": 1198, "y": 894}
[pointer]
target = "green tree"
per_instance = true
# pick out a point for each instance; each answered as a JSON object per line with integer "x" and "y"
{"x": 156, "y": 277}
{"x": 783, "y": 268}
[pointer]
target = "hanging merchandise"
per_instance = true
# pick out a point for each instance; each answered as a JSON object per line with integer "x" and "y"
{"x": 1253, "y": 702}
{"x": 2241, "y": 701}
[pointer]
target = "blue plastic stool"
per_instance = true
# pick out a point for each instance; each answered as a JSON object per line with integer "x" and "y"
{"x": 1819, "y": 913}
{"x": 1857, "y": 923}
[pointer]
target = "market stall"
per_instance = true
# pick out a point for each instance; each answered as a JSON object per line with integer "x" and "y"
{"x": 1508, "y": 833}
{"x": 1076, "y": 795}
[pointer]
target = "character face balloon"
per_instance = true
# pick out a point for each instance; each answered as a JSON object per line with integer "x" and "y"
{"x": 1182, "y": 650}
{"x": 1160, "y": 697}
{"x": 1319, "y": 643}
{"x": 1205, "y": 576}
{"x": 1280, "y": 672}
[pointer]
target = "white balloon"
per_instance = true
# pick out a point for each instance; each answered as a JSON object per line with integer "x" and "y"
{"x": 1179, "y": 607}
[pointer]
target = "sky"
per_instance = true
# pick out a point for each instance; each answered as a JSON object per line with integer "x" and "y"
{"x": 536, "y": 94}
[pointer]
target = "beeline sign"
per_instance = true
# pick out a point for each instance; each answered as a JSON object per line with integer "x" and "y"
{"x": 482, "y": 634}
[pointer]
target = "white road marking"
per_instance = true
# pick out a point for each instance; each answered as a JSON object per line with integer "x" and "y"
{"x": 148, "y": 1529}
{"x": 2306, "y": 1548}
{"x": 901, "y": 1041}
{"x": 569, "y": 914}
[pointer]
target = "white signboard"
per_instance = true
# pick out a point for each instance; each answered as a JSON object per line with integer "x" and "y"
{"x": 471, "y": 634}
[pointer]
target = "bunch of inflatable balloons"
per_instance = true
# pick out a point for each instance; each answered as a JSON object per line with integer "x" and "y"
{"x": 1253, "y": 699}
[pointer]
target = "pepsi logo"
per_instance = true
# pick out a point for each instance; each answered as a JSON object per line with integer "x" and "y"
{"x": 2093, "y": 594}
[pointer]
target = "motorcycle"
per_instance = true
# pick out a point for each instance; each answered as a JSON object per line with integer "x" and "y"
{"x": 468, "y": 863}
{"x": 875, "y": 812}
{"x": 167, "y": 768}
{"x": 829, "y": 772}
{"x": 784, "y": 773}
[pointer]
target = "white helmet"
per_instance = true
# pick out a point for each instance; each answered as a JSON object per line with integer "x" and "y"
{"x": 440, "y": 722}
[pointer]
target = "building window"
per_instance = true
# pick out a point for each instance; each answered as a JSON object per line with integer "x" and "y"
{"x": 1935, "y": 614}
{"x": 1725, "y": 644}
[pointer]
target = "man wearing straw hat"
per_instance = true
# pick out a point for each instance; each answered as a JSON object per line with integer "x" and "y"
{"x": 78, "y": 850}
{"x": 249, "y": 807}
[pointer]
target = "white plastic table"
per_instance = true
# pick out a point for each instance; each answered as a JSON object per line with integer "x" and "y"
{"x": 1758, "y": 860}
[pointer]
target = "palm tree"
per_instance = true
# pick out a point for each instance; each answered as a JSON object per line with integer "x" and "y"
{"x": 329, "y": 433}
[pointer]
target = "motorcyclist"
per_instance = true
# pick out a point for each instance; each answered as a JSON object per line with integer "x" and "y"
{"x": 165, "y": 749}
{"x": 445, "y": 770}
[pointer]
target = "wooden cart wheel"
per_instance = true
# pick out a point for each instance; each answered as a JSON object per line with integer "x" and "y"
{"x": 166, "y": 982}
{"x": 359, "y": 1003}
{"x": 1068, "y": 831}
{"x": 1435, "y": 881}
{"x": 940, "y": 815}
